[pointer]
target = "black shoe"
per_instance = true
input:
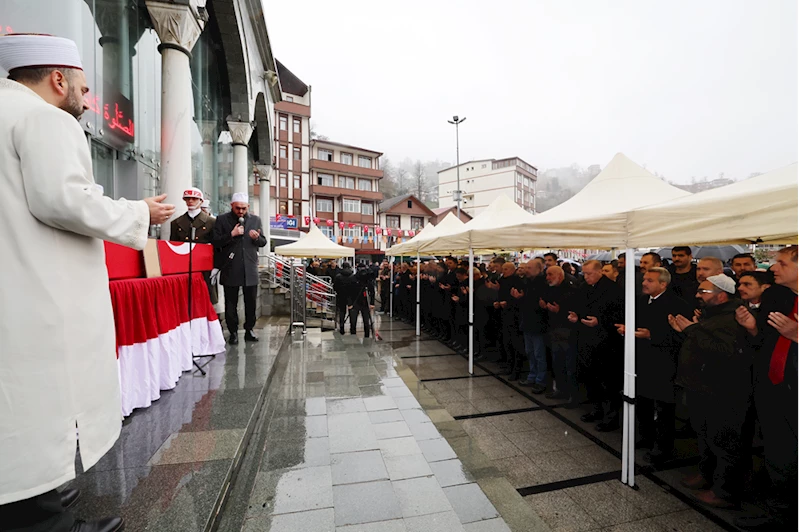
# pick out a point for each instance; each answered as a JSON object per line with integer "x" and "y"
{"x": 109, "y": 524}
{"x": 757, "y": 523}
{"x": 609, "y": 425}
{"x": 250, "y": 337}
{"x": 233, "y": 339}
{"x": 593, "y": 415}
{"x": 645, "y": 444}
{"x": 659, "y": 458}
{"x": 538, "y": 389}
{"x": 69, "y": 497}
{"x": 341, "y": 332}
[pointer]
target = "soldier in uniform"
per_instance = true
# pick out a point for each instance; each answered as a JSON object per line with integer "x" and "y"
{"x": 203, "y": 224}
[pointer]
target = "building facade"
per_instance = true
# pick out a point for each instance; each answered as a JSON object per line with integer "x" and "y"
{"x": 442, "y": 212}
{"x": 205, "y": 124}
{"x": 290, "y": 183}
{"x": 345, "y": 195}
{"x": 403, "y": 216}
{"x": 482, "y": 181}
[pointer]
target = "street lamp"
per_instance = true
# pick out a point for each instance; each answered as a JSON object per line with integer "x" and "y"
{"x": 458, "y": 192}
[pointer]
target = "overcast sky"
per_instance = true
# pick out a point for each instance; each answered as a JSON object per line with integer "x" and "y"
{"x": 688, "y": 88}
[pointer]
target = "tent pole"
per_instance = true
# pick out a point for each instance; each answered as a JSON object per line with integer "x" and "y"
{"x": 418, "y": 316}
{"x": 391, "y": 290}
{"x": 471, "y": 311}
{"x": 628, "y": 441}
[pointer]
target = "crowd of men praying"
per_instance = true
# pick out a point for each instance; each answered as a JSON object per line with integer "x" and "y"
{"x": 718, "y": 339}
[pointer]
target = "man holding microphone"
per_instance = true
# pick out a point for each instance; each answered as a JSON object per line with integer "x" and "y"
{"x": 237, "y": 237}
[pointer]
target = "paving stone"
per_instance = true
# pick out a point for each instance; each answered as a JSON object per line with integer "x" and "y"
{"x": 440, "y": 522}
{"x": 399, "y": 447}
{"x": 451, "y": 473}
{"x": 470, "y": 503}
{"x": 396, "y": 429}
{"x": 420, "y": 496}
{"x": 437, "y": 450}
{"x": 407, "y": 466}
{"x": 365, "y": 503}
{"x": 364, "y": 466}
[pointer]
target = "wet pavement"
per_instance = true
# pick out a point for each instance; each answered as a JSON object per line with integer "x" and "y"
{"x": 173, "y": 459}
{"x": 356, "y": 443}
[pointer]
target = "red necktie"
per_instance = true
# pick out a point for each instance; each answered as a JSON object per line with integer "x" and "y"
{"x": 776, "y": 369}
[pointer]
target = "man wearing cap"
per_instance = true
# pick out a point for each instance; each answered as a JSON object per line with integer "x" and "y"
{"x": 194, "y": 217}
{"x": 717, "y": 380}
{"x": 58, "y": 370}
{"x": 206, "y": 207}
{"x": 237, "y": 237}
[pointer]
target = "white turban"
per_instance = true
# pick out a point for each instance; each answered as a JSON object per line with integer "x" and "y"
{"x": 240, "y": 197}
{"x": 24, "y": 50}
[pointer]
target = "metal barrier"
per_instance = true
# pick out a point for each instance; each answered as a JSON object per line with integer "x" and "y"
{"x": 317, "y": 298}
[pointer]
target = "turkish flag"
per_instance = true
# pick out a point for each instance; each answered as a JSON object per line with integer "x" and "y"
{"x": 308, "y": 220}
{"x": 365, "y": 229}
{"x": 411, "y": 233}
{"x": 277, "y": 217}
{"x": 316, "y": 220}
{"x": 388, "y": 232}
{"x": 351, "y": 226}
{"x": 329, "y": 223}
{"x": 378, "y": 230}
{"x": 341, "y": 225}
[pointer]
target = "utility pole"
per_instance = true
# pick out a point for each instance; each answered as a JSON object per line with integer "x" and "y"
{"x": 458, "y": 192}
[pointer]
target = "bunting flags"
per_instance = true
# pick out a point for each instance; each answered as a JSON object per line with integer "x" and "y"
{"x": 365, "y": 229}
{"x": 316, "y": 220}
{"x": 341, "y": 225}
{"x": 329, "y": 223}
{"x": 308, "y": 220}
{"x": 351, "y": 225}
{"x": 388, "y": 231}
{"x": 378, "y": 230}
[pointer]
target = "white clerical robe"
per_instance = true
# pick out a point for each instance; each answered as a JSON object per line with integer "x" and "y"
{"x": 58, "y": 367}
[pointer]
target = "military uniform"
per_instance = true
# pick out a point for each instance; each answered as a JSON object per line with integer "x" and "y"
{"x": 180, "y": 231}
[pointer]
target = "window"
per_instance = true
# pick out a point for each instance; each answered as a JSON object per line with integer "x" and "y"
{"x": 392, "y": 221}
{"x": 297, "y": 154}
{"x": 364, "y": 162}
{"x": 288, "y": 98}
{"x": 284, "y": 180}
{"x": 325, "y": 155}
{"x": 346, "y": 158}
{"x": 367, "y": 209}
{"x": 297, "y": 125}
{"x": 297, "y": 209}
{"x": 351, "y": 205}
{"x": 324, "y": 205}
{"x": 326, "y": 180}
{"x": 365, "y": 184}
{"x": 518, "y": 178}
{"x": 417, "y": 222}
{"x": 410, "y": 204}
{"x": 354, "y": 232}
{"x": 284, "y": 152}
{"x": 284, "y": 207}
{"x": 328, "y": 231}
{"x": 297, "y": 181}
{"x": 528, "y": 182}
{"x": 346, "y": 182}
{"x": 284, "y": 123}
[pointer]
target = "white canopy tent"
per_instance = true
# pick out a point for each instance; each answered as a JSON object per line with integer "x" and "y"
{"x": 315, "y": 244}
{"x": 411, "y": 245}
{"x": 761, "y": 209}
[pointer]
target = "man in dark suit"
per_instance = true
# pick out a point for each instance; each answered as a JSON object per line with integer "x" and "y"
{"x": 203, "y": 225}
{"x": 773, "y": 335}
{"x": 237, "y": 238}
{"x": 657, "y": 347}
{"x": 595, "y": 309}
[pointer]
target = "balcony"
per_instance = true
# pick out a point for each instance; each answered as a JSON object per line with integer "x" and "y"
{"x": 335, "y": 192}
{"x": 345, "y": 169}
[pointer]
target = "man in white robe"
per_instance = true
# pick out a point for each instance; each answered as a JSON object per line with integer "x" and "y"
{"x": 58, "y": 369}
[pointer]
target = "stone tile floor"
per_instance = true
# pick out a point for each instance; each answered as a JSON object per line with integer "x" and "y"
{"x": 172, "y": 460}
{"x": 356, "y": 443}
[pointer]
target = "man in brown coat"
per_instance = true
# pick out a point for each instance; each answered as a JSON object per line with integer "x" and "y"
{"x": 203, "y": 223}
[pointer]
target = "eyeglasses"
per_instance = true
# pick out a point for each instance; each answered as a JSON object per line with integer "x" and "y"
{"x": 705, "y": 291}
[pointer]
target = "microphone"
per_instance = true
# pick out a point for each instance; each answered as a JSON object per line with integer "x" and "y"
{"x": 241, "y": 220}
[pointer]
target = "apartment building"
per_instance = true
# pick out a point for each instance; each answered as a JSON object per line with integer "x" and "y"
{"x": 344, "y": 194}
{"x": 290, "y": 186}
{"x": 442, "y": 212}
{"x": 482, "y": 181}
{"x": 400, "y": 215}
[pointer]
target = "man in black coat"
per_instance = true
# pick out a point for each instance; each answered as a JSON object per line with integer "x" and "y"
{"x": 511, "y": 345}
{"x": 597, "y": 306}
{"x": 657, "y": 346}
{"x": 361, "y": 299}
{"x": 773, "y": 335}
{"x": 683, "y": 274}
{"x": 344, "y": 284}
{"x": 533, "y": 324}
{"x": 555, "y": 300}
{"x": 237, "y": 238}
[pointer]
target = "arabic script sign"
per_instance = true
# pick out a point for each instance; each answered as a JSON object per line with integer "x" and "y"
{"x": 117, "y": 113}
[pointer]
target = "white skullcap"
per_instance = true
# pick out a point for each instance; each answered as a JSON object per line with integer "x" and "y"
{"x": 29, "y": 50}
{"x": 240, "y": 197}
{"x": 723, "y": 282}
{"x": 193, "y": 192}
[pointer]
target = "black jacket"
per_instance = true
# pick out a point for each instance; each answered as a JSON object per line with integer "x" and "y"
{"x": 605, "y": 302}
{"x": 560, "y": 295}
{"x": 710, "y": 361}
{"x": 237, "y": 257}
{"x": 685, "y": 285}
{"x": 775, "y": 299}
{"x": 362, "y": 289}
{"x": 344, "y": 283}
{"x": 656, "y": 357}
{"x": 533, "y": 319}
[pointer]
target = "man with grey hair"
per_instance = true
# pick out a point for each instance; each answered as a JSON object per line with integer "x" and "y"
{"x": 657, "y": 346}
{"x": 718, "y": 382}
{"x": 708, "y": 267}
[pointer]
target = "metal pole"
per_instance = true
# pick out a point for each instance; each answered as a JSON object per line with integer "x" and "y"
{"x": 418, "y": 315}
{"x": 471, "y": 311}
{"x": 458, "y": 167}
{"x": 628, "y": 420}
{"x": 391, "y": 290}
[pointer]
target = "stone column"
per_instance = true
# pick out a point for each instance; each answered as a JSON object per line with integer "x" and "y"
{"x": 210, "y": 135}
{"x": 240, "y": 132}
{"x": 265, "y": 172}
{"x": 178, "y": 27}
